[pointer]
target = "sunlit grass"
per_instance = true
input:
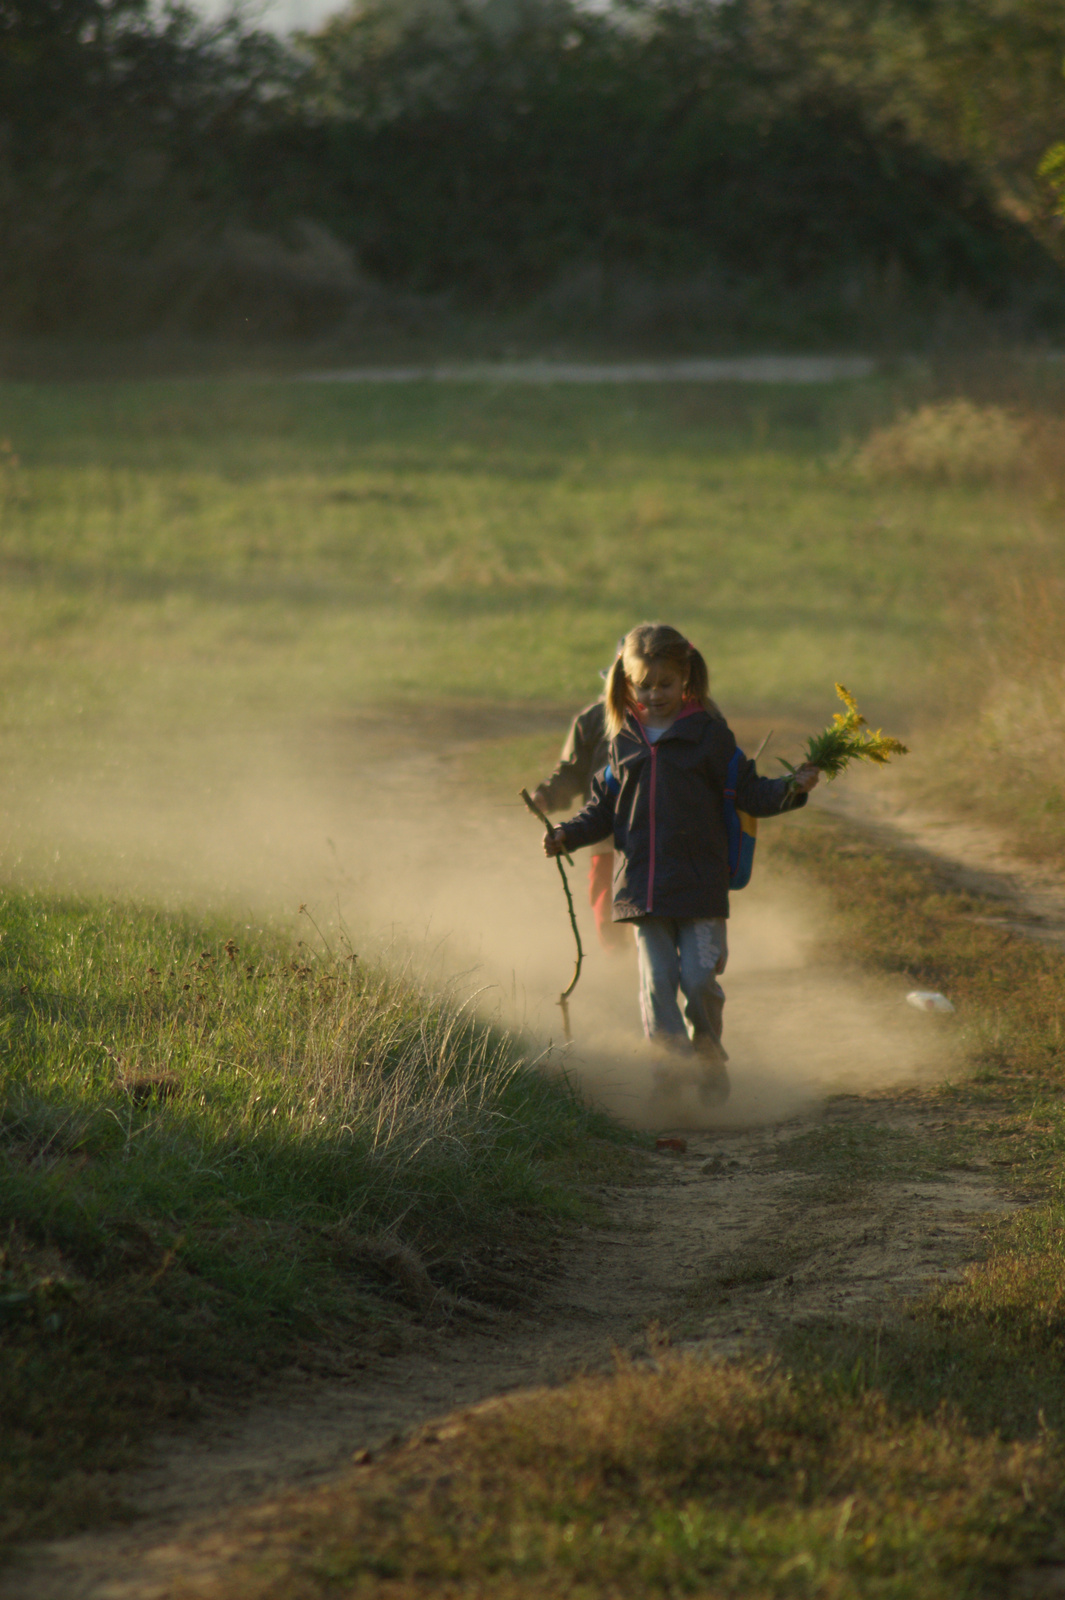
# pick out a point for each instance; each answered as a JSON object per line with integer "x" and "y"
{"x": 215, "y": 1143}
{"x": 296, "y": 1088}
{"x": 252, "y": 545}
{"x": 693, "y": 1479}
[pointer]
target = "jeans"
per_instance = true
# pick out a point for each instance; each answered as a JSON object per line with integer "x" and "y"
{"x": 684, "y": 953}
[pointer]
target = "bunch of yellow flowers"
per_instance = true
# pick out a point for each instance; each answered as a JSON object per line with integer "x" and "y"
{"x": 848, "y": 738}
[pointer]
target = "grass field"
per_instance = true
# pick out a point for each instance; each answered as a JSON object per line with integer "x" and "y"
{"x": 199, "y": 571}
{"x": 301, "y": 548}
{"x": 227, "y": 553}
{"x": 218, "y": 1155}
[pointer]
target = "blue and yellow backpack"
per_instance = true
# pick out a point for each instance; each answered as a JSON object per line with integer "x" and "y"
{"x": 742, "y": 829}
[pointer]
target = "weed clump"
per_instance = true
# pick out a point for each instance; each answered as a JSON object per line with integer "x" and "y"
{"x": 952, "y": 441}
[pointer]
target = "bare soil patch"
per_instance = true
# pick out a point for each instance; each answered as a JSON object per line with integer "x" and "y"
{"x": 977, "y": 857}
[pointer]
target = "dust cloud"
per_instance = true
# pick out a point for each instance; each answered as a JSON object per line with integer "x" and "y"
{"x": 372, "y": 828}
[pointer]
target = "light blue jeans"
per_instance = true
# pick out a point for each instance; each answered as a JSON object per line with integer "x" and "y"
{"x": 685, "y": 953}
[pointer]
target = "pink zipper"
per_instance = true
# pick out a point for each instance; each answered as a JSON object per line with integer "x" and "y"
{"x": 651, "y": 863}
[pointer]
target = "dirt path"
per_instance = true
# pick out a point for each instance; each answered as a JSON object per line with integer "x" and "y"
{"x": 723, "y": 1246}
{"x": 978, "y": 857}
{"x": 728, "y": 369}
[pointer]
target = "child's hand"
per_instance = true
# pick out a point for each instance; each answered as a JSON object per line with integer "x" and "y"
{"x": 540, "y": 799}
{"x": 806, "y": 777}
{"x": 555, "y": 843}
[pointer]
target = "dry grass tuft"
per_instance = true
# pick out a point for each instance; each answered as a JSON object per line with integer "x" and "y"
{"x": 951, "y": 441}
{"x": 399, "y": 1265}
{"x": 689, "y": 1478}
{"x": 1008, "y": 741}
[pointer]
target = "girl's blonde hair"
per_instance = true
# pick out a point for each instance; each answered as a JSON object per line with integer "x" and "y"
{"x": 653, "y": 641}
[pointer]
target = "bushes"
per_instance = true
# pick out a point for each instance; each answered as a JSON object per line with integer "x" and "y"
{"x": 513, "y": 196}
{"x": 482, "y": 147}
{"x": 488, "y": 149}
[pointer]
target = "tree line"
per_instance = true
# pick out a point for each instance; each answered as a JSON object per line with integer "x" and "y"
{"x": 156, "y": 168}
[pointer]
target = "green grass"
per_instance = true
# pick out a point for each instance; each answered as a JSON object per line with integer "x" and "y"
{"x": 207, "y": 1162}
{"x": 264, "y": 548}
{"x": 211, "y": 559}
{"x": 217, "y": 1150}
{"x": 693, "y": 1480}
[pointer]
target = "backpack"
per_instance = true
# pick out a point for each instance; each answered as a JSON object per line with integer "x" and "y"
{"x": 742, "y": 829}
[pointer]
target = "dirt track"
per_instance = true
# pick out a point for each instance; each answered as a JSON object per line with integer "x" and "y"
{"x": 727, "y": 369}
{"x": 722, "y": 1246}
{"x": 977, "y": 857}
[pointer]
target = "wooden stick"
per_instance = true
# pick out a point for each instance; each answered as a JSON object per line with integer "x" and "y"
{"x": 548, "y": 824}
{"x": 563, "y": 999}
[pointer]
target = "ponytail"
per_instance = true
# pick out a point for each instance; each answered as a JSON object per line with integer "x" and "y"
{"x": 618, "y": 698}
{"x": 699, "y": 681}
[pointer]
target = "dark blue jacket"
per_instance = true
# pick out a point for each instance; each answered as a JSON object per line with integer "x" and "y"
{"x": 665, "y": 805}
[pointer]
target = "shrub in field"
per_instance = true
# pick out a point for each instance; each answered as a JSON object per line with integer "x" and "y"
{"x": 953, "y": 441}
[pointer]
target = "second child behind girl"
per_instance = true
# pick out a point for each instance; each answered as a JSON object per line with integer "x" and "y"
{"x": 663, "y": 799}
{"x": 583, "y": 755}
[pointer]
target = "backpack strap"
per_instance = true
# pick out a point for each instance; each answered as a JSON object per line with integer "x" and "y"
{"x": 739, "y": 827}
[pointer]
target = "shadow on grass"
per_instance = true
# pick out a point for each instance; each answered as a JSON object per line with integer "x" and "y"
{"x": 212, "y": 1159}
{"x": 1007, "y": 1384}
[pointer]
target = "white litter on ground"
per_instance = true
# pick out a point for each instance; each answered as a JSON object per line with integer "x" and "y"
{"x": 928, "y": 1000}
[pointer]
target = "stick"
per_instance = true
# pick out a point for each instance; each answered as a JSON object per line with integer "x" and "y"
{"x": 563, "y": 999}
{"x": 548, "y": 824}
{"x": 763, "y": 744}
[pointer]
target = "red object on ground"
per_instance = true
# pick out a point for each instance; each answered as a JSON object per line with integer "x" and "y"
{"x": 679, "y": 1145}
{"x": 612, "y": 935}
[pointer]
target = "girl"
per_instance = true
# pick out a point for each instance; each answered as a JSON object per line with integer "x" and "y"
{"x": 662, "y": 797}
